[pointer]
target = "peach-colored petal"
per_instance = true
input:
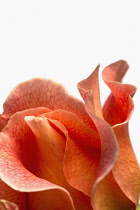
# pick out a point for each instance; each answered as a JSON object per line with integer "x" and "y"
{"x": 80, "y": 165}
{"x": 105, "y": 186}
{"x": 76, "y": 128}
{"x": 109, "y": 147}
{"x": 52, "y": 148}
{"x": 44, "y": 93}
{"x": 82, "y": 153}
{"x": 115, "y": 71}
{"x": 109, "y": 196}
{"x": 126, "y": 170}
{"x": 18, "y": 159}
{"x": 6, "y": 205}
{"x": 119, "y": 106}
{"x": 92, "y": 84}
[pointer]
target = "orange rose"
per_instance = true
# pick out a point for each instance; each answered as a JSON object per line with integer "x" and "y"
{"x": 57, "y": 152}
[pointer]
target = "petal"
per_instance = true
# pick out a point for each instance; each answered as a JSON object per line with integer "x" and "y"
{"x": 82, "y": 153}
{"x": 108, "y": 196}
{"x": 126, "y": 170}
{"x": 52, "y": 148}
{"x": 76, "y": 128}
{"x": 105, "y": 186}
{"x": 44, "y": 93}
{"x": 80, "y": 165}
{"x": 109, "y": 146}
{"x": 119, "y": 106}
{"x": 18, "y": 159}
{"x": 92, "y": 84}
{"x": 6, "y": 205}
{"x": 115, "y": 71}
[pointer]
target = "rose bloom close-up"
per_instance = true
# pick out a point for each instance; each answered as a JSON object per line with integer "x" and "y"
{"x": 57, "y": 152}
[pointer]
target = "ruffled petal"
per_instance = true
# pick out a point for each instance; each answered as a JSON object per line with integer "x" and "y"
{"x": 115, "y": 71}
{"x": 109, "y": 146}
{"x": 19, "y": 159}
{"x": 126, "y": 170}
{"x": 41, "y": 92}
{"x": 119, "y": 106}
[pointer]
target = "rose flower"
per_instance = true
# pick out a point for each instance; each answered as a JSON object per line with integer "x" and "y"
{"x": 57, "y": 152}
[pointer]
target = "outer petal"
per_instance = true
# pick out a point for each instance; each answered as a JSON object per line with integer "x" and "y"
{"x": 44, "y": 93}
{"x": 109, "y": 147}
{"x": 126, "y": 171}
{"x": 18, "y": 165}
{"x": 109, "y": 152}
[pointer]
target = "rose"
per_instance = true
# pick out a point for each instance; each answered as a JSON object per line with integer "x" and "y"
{"x": 58, "y": 153}
{"x": 62, "y": 156}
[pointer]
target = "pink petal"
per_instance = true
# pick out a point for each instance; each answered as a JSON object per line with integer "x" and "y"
{"x": 44, "y": 93}
{"x": 126, "y": 171}
{"x": 18, "y": 160}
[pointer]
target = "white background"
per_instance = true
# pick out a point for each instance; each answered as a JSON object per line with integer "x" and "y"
{"x": 65, "y": 40}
